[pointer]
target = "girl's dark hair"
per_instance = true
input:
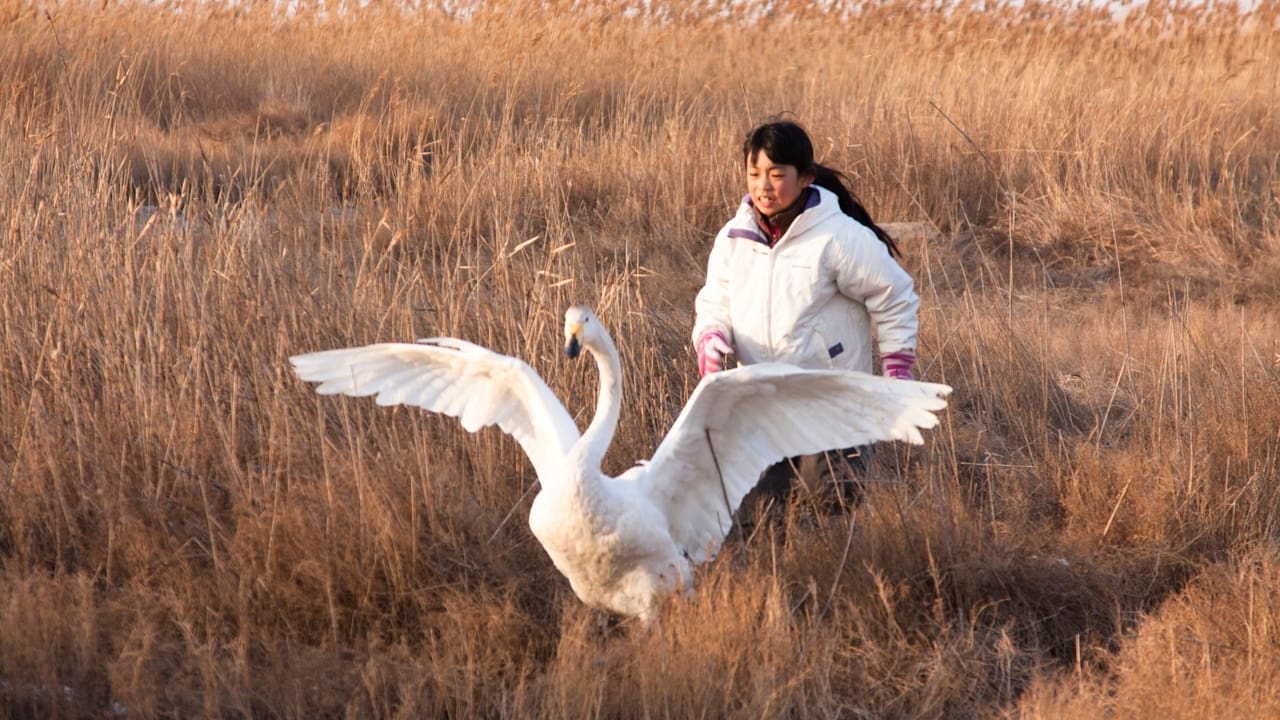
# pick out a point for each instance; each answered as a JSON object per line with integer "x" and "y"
{"x": 786, "y": 143}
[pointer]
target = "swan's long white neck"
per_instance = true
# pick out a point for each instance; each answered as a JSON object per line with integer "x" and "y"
{"x": 595, "y": 440}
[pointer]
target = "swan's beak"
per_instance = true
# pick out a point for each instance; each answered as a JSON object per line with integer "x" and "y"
{"x": 573, "y": 340}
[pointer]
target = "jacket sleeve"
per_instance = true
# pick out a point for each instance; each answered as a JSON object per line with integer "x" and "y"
{"x": 866, "y": 272}
{"x": 711, "y": 306}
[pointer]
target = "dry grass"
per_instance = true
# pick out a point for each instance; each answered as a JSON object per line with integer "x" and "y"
{"x": 190, "y": 193}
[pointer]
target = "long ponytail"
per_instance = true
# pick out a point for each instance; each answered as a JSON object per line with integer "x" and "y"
{"x": 838, "y": 183}
{"x": 786, "y": 143}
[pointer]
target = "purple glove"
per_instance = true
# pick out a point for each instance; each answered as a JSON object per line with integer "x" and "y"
{"x": 712, "y": 348}
{"x": 897, "y": 365}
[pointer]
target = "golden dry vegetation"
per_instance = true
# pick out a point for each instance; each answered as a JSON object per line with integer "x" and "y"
{"x": 190, "y": 193}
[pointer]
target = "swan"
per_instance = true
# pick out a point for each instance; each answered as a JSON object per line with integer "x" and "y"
{"x": 625, "y": 542}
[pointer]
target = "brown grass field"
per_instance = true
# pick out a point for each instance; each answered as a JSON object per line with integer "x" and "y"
{"x": 191, "y": 193}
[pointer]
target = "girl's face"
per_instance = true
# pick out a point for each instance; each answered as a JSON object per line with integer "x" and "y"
{"x": 774, "y": 187}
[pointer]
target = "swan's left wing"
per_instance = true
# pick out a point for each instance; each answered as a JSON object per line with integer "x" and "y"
{"x": 739, "y": 422}
{"x": 456, "y": 378}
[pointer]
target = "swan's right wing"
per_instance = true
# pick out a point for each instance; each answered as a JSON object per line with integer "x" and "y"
{"x": 456, "y": 378}
{"x": 739, "y": 422}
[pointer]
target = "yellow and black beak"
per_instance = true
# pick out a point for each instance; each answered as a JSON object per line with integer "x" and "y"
{"x": 573, "y": 340}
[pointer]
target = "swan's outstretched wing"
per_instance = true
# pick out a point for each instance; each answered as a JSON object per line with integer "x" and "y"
{"x": 740, "y": 421}
{"x": 456, "y": 378}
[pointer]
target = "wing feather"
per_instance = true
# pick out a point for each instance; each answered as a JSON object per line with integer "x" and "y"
{"x": 455, "y": 378}
{"x": 743, "y": 420}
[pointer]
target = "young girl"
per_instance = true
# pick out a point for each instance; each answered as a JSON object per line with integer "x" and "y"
{"x": 802, "y": 275}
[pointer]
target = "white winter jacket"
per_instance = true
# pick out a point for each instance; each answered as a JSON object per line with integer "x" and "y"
{"x": 812, "y": 298}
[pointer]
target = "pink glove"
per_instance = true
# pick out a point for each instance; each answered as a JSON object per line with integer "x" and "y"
{"x": 712, "y": 349}
{"x": 897, "y": 365}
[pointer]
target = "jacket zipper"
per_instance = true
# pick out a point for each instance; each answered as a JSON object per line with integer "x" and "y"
{"x": 768, "y": 312}
{"x": 768, "y": 306}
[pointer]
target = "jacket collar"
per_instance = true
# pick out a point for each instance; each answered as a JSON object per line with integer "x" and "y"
{"x": 819, "y": 204}
{"x": 775, "y": 226}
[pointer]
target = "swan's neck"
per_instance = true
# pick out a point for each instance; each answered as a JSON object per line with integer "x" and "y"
{"x": 596, "y": 438}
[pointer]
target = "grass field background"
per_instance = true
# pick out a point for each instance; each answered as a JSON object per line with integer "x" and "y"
{"x": 190, "y": 193}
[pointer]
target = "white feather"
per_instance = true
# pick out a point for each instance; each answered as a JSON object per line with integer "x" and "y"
{"x": 623, "y": 542}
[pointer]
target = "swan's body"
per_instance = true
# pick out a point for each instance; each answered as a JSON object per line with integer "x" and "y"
{"x": 623, "y": 542}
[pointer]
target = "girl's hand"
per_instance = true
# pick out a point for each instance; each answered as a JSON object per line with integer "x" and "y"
{"x": 712, "y": 349}
{"x": 897, "y": 365}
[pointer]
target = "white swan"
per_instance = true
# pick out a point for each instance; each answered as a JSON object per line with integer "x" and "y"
{"x": 623, "y": 542}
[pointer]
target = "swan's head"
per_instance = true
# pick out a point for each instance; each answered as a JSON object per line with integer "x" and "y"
{"x": 581, "y": 328}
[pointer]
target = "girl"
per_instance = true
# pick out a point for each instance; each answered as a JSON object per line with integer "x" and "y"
{"x": 801, "y": 274}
